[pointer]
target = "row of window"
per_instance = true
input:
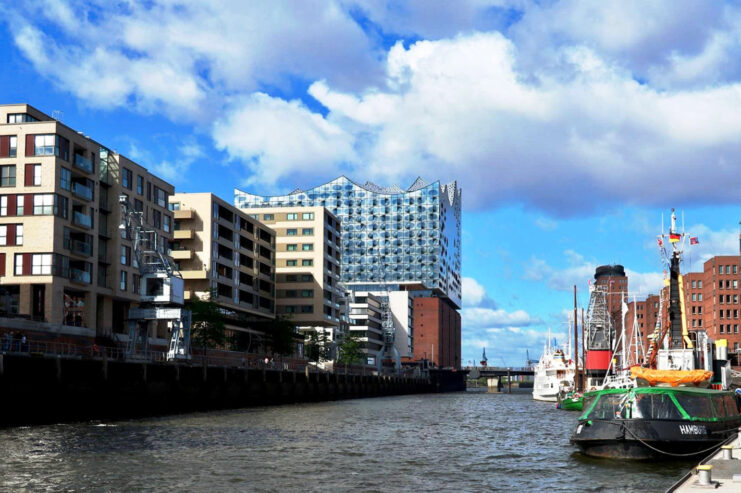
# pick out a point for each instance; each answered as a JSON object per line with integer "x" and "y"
{"x": 727, "y": 313}
{"x": 296, "y": 293}
{"x": 127, "y": 182}
{"x": 291, "y": 216}
{"x": 306, "y": 247}
{"x": 32, "y": 175}
{"x": 697, "y": 284}
{"x": 728, "y": 284}
{"x": 304, "y": 262}
{"x": 727, "y": 269}
{"x": 728, "y": 299}
{"x": 727, "y": 329}
{"x": 11, "y": 234}
{"x": 36, "y": 205}
{"x": 298, "y": 309}
{"x": 697, "y": 297}
{"x": 304, "y": 231}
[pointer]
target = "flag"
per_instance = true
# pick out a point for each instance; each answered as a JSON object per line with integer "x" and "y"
{"x": 674, "y": 237}
{"x": 694, "y": 240}
{"x": 661, "y": 243}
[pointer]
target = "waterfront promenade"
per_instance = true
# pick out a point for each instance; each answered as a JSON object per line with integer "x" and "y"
{"x": 722, "y": 468}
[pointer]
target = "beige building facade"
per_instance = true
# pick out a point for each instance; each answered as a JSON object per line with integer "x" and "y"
{"x": 307, "y": 253}
{"x": 64, "y": 266}
{"x": 225, "y": 255}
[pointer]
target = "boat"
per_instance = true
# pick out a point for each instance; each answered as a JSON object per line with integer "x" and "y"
{"x": 571, "y": 401}
{"x": 655, "y": 422}
{"x": 663, "y": 409}
{"x": 553, "y": 372}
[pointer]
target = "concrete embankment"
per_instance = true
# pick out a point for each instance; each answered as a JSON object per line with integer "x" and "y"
{"x": 39, "y": 390}
{"x": 720, "y": 471}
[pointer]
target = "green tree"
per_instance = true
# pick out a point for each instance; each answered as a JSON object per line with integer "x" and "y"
{"x": 350, "y": 350}
{"x": 207, "y": 323}
{"x": 315, "y": 346}
{"x": 281, "y": 336}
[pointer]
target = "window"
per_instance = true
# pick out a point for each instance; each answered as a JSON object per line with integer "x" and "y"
{"x": 43, "y": 204}
{"x": 268, "y": 217}
{"x": 290, "y": 263}
{"x": 699, "y": 297}
{"x": 20, "y": 206}
{"x": 307, "y": 215}
{"x": 291, "y": 216}
{"x": 307, "y": 231}
{"x": 138, "y": 205}
{"x": 160, "y": 197}
{"x": 174, "y": 206}
{"x": 20, "y": 118}
{"x": 693, "y": 284}
{"x": 122, "y": 281}
{"x": 166, "y": 225}
{"x": 3, "y": 235}
{"x": 291, "y": 232}
{"x": 157, "y": 219}
{"x": 13, "y": 151}
{"x": 126, "y": 177}
{"x": 735, "y": 284}
{"x": 699, "y": 284}
{"x": 45, "y": 145}
{"x": 694, "y": 298}
{"x": 291, "y": 247}
{"x": 125, "y": 252}
{"x": 307, "y": 293}
{"x": 35, "y": 178}
{"x": 139, "y": 186}
{"x": 307, "y": 278}
{"x": 307, "y": 262}
{"x": 735, "y": 269}
{"x": 728, "y": 269}
{"x": 18, "y": 264}
{"x": 61, "y": 207}
{"x": 307, "y": 247}
{"x": 4, "y": 205}
{"x": 7, "y": 176}
{"x": 307, "y": 308}
{"x": 18, "y": 234}
{"x": 41, "y": 264}
{"x": 65, "y": 179}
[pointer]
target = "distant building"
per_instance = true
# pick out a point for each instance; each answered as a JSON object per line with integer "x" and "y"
{"x": 226, "y": 256}
{"x": 410, "y": 239}
{"x": 64, "y": 266}
{"x": 307, "y": 259}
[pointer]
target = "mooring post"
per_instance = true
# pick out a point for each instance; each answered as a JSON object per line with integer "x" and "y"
{"x": 509, "y": 382}
{"x": 2, "y": 365}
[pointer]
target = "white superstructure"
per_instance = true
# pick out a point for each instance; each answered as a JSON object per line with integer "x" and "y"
{"x": 553, "y": 372}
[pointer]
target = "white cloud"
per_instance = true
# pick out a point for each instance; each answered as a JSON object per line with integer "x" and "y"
{"x": 473, "y": 292}
{"x": 493, "y": 318}
{"x": 546, "y": 224}
{"x": 278, "y": 138}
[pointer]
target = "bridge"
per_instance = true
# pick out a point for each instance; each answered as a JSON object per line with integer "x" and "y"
{"x": 498, "y": 371}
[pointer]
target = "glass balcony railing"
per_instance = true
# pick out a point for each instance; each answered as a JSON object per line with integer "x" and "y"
{"x": 83, "y": 163}
{"x": 82, "y": 219}
{"x": 82, "y": 248}
{"x": 79, "y": 275}
{"x": 82, "y": 191}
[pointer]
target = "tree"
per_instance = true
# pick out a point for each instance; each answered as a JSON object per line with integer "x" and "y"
{"x": 281, "y": 334}
{"x": 207, "y": 323}
{"x": 316, "y": 346}
{"x": 350, "y": 349}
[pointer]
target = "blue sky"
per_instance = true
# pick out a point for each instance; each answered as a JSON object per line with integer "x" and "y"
{"x": 570, "y": 126}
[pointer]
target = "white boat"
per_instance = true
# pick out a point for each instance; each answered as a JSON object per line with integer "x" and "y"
{"x": 554, "y": 372}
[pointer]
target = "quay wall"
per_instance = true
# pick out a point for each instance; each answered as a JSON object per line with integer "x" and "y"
{"x": 38, "y": 390}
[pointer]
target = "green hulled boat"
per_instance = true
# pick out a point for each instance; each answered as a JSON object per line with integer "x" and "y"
{"x": 571, "y": 402}
{"x": 655, "y": 422}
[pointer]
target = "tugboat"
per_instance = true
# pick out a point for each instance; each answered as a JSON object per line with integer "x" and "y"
{"x": 669, "y": 413}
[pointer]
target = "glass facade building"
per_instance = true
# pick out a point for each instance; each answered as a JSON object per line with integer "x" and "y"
{"x": 389, "y": 235}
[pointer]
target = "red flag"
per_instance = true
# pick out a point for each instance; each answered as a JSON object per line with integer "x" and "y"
{"x": 661, "y": 243}
{"x": 694, "y": 240}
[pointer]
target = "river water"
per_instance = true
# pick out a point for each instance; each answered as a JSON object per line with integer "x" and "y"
{"x": 471, "y": 441}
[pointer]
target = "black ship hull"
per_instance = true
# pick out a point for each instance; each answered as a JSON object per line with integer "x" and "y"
{"x": 644, "y": 439}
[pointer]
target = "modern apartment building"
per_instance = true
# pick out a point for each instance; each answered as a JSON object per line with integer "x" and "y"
{"x": 226, "y": 256}
{"x": 307, "y": 264}
{"x": 410, "y": 239}
{"x": 366, "y": 318}
{"x": 64, "y": 266}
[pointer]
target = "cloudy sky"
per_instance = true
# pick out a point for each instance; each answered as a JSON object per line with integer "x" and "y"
{"x": 570, "y": 126}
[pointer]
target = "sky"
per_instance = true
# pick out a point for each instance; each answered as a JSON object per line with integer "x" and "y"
{"x": 570, "y": 126}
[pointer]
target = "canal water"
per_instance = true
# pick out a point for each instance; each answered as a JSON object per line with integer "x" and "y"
{"x": 471, "y": 441}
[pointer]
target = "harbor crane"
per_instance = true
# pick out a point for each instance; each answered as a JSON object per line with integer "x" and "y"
{"x": 160, "y": 286}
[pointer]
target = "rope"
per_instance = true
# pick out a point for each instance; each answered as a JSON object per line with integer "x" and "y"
{"x": 662, "y": 451}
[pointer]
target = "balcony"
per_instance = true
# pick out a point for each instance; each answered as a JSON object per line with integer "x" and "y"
{"x": 181, "y": 254}
{"x": 194, "y": 274}
{"x": 79, "y": 275}
{"x": 183, "y": 234}
{"x": 80, "y": 219}
{"x": 79, "y": 247}
{"x": 83, "y": 164}
{"x": 82, "y": 191}
{"x": 183, "y": 214}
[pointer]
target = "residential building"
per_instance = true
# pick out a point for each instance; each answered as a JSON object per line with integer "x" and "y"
{"x": 64, "y": 264}
{"x": 366, "y": 318}
{"x": 407, "y": 238}
{"x": 226, "y": 256}
{"x": 307, "y": 264}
